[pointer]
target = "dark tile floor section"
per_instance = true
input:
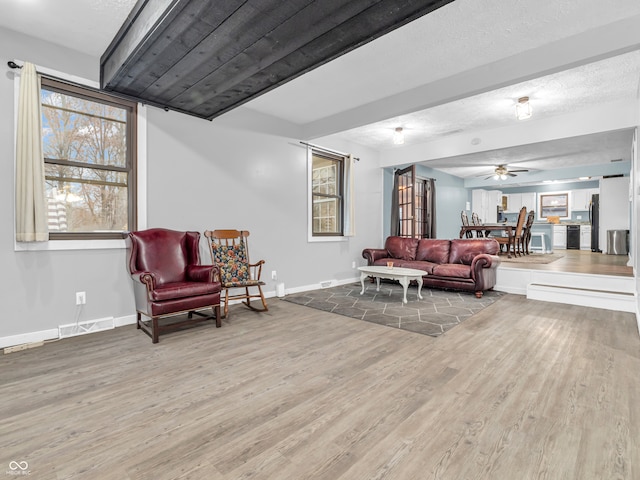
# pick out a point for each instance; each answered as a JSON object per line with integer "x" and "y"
{"x": 437, "y": 312}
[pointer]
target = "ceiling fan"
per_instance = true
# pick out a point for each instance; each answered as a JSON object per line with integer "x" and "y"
{"x": 501, "y": 172}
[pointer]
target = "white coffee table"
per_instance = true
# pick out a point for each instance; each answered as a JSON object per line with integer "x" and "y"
{"x": 403, "y": 275}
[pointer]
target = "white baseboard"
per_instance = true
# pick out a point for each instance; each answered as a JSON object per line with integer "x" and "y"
{"x": 318, "y": 286}
{"x": 31, "y": 337}
{"x": 52, "y": 333}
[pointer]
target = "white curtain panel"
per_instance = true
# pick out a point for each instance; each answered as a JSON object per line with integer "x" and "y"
{"x": 350, "y": 195}
{"x": 31, "y": 203}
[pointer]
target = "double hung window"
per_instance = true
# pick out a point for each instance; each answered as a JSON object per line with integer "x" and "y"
{"x": 89, "y": 146}
{"x": 327, "y": 193}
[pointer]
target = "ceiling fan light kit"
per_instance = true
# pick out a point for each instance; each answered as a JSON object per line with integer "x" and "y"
{"x": 501, "y": 172}
{"x": 523, "y": 108}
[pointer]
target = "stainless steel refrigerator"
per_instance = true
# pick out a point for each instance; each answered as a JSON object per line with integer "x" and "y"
{"x": 594, "y": 219}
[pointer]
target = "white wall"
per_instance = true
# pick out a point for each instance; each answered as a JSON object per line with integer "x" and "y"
{"x": 242, "y": 170}
{"x": 37, "y": 289}
{"x": 614, "y": 207}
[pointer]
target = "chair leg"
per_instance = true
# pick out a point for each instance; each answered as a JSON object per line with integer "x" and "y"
{"x": 154, "y": 330}
{"x": 139, "y": 317}
{"x": 264, "y": 302}
{"x": 216, "y": 312}
{"x": 226, "y": 302}
{"x": 248, "y": 297}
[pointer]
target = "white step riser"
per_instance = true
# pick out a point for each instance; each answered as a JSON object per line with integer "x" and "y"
{"x": 620, "y": 302}
{"x": 598, "y": 291}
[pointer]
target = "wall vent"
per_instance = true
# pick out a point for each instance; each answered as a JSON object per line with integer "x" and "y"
{"x": 326, "y": 283}
{"x": 82, "y": 328}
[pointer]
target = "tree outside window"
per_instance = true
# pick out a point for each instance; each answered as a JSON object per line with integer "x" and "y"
{"x": 88, "y": 145}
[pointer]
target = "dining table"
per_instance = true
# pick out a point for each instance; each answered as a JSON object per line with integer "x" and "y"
{"x": 508, "y": 228}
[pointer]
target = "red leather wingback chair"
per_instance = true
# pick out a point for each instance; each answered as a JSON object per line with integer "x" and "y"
{"x": 168, "y": 279}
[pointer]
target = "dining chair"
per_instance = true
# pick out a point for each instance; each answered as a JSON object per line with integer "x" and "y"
{"x": 465, "y": 223}
{"x": 514, "y": 238}
{"x": 527, "y": 231}
{"x": 475, "y": 220}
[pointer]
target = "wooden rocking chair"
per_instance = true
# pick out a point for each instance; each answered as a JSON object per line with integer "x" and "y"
{"x": 230, "y": 253}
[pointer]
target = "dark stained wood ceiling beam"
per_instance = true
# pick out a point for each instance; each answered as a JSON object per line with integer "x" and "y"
{"x": 206, "y": 57}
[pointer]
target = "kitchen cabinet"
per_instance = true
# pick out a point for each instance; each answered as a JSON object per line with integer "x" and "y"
{"x": 529, "y": 200}
{"x": 560, "y": 236}
{"x": 510, "y": 201}
{"x": 515, "y": 201}
{"x": 485, "y": 203}
{"x": 580, "y": 199}
{"x": 585, "y": 237}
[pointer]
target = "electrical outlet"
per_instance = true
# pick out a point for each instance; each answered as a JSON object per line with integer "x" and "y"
{"x": 274, "y": 275}
{"x": 353, "y": 264}
{"x": 81, "y": 298}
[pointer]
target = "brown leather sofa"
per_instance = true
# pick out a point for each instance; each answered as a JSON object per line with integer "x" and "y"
{"x": 466, "y": 264}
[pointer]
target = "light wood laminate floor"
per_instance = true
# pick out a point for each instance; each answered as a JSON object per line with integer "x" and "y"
{"x": 583, "y": 261}
{"x": 523, "y": 390}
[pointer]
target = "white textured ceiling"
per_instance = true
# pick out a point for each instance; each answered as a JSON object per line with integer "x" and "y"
{"x": 84, "y": 25}
{"x": 362, "y": 96}
{"x": 585, "y": 150}
{"x": 458, "y": 37}
{"x": 614, "y": 79}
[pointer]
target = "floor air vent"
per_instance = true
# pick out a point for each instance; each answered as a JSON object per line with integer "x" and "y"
{"x": 82, "y": 328}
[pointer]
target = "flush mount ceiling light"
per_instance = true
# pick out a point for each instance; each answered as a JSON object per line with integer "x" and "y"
{"x": 523, "y": 108}
{"x": 398, "y": 136}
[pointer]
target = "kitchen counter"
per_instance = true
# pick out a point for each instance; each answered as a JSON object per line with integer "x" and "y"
{"x": 556, "y": 236}
{"x": 562, "y": 223}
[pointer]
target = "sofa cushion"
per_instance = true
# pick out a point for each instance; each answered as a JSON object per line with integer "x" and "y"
{"x": 433, "y": 250}
{"x": 400, "y": 247}
{"x": 464, "y": 251}
{"x": 426, "y": 266}
{"x": 452, "y": 270}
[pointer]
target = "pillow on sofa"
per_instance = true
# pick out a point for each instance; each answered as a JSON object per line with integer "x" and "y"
{"x": 433, "y": 250}
{"x": 402, "y": 248}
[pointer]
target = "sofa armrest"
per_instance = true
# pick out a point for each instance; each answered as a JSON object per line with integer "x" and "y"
{"x": 483, "y": 261}
{"x": 373, "y": 254}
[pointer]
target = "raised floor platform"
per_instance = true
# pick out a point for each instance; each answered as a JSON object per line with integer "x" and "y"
{"x": 579, "y": 278}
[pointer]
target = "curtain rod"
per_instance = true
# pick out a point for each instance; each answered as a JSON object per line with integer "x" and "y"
{"x": 419, "y": 177}
{"x": 328, "y": 150}
{"x": 14, "y": 65}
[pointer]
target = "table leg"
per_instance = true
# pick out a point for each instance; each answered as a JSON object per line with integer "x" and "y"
{"x": 362, "y": 277}
{"x": 419, "y": 279}
{"x": 404, "y": 281}
{"x": 377, "y": 284}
